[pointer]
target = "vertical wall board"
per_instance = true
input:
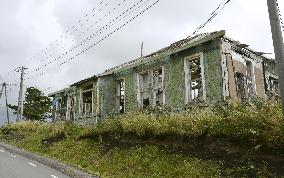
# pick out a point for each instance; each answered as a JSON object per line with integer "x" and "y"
{"x": 95, "y": 98}
{"x": 107, "y": 95}
{"x": 259, "y": 80}
{"x": 174, "y": 82}
{"x": 77, "y": 109}
{"x": 213, "y": 75}
{"x": 131, "y": 103}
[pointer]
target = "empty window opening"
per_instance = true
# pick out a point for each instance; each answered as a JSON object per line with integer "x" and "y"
{"x": 145, "y": 90}
{"x": 71, "y": 106}
{"x": 121, "y": 96}
{"x": 152, "y": 88}
{"x": 59, "y": 104}
{"x": 274, "y": 88}
{"x": 240, "y": 84}
{"x": 158, "y": 91}
{"x": 250, "y": 80}
{"x": 71, "y": 115}
{"x": 193, "y": 77}
{"x": 87, "y": 99}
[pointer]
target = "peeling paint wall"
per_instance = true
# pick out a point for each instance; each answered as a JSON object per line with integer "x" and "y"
{"x": 237, "y": 60}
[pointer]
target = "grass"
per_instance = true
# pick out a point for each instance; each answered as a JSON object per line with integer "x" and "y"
{"x": 259, "y": 125}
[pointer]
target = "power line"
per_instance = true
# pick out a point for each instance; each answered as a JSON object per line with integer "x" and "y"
{"x": 280, "y": 16}
{"x": 71, "y": 29}
{"x": 52, "y": 49}
{"x": 212, "y": 16}
{"x": 90, "y": 37}
{"x": 11, "y": 72}
{"x": 49, "y": 52}
{"x": 107, "y": 26}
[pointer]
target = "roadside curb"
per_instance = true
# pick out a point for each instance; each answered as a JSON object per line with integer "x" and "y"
{"x": 61, "y": 167}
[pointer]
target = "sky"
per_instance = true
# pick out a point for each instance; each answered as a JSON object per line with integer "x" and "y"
{"x": 34, "y": 33}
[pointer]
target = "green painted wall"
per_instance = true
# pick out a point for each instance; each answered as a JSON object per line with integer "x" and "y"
{"x": 174, "y": 76}
{"x": 107, "y": 95}
{"x": 173, "y": 80}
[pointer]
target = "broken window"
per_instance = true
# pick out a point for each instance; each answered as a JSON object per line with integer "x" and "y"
{"x": 151, "y": 88}
{"x": 121, "y": 96}
{"x": 158, "y": 91}
{"x": 87, "y": 99}
{"x": 145, "y": 89}
{"x": 274, "y": 88}
{"x": 193, "y": 77}
{"x": 59, "y": 104}
{"x": 71, "y": 108}
{"x": 250, "y": 80}
{"x": 240, "y": 84}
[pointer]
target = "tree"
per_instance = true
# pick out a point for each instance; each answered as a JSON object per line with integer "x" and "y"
{"x": 36, "y": 105}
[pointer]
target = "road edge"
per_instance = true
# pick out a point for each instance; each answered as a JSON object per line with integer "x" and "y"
{"x": 57, "y": 165}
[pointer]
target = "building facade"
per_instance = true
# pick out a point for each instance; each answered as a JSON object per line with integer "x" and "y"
{"x": 206, "y": 68}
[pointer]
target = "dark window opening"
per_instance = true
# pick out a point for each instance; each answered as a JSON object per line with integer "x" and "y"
{"x": 158, "y": 87}
{"x": 240, "y": 83}
{"x": 274, "y": 88}
{"x": 145, "y": 90}
{"x": 249, "y": 79}
{"x": 87, "y": 98}
{"x": 146, "y": 103}
{"x": 71, "y": 116}
{"x": 59, "y": 104}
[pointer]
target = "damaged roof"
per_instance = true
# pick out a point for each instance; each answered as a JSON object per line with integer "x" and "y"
{"x": 84, "y": 81}
{"x": 173, "y": 48}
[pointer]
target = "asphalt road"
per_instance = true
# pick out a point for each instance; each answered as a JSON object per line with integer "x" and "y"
{"x": 15, "y": 166}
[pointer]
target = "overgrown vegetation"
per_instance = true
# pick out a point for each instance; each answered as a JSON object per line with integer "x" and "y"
{"x": 233, "y": 140}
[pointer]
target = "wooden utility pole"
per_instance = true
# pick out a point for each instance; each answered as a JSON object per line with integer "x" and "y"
{"x": 277, "y": 43}
{"x": 142, "y": 48}
{"x": 20, "y": 99}
{"x": 1, "y": 90}
{"x": 7, "y": 109}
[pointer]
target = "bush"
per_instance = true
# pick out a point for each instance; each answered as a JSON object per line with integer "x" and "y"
{"x": 258, "y": 123}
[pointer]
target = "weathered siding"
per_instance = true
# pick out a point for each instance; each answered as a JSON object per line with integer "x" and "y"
{"x": 107, "y": 95}
{"x": 259, "y": 80}
{"x": 213, "y": 75}
{"x": 174, "y": 80}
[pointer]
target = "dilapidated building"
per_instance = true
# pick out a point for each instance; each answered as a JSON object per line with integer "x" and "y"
{"x": 206, "y": 68}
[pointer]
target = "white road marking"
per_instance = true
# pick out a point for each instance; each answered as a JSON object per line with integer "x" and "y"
{"x": 2, "y": 151}
{"x": 32, "y": 164}
{"x": 14, "y": 156}
{"x": 54, "y": 176}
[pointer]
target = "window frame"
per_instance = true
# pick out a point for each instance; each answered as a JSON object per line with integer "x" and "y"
{"x": 187, "y": 78}
{"x": 150, "y": 88}
{"x": 119, "y": 96}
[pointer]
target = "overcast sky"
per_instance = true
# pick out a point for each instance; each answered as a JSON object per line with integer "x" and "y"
{"x": 30, "y": 28}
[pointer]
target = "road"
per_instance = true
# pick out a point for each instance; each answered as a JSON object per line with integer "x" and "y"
{"x": 16, "y": 166}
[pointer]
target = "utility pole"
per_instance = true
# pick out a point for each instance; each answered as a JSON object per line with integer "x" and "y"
{"x": 20, "y": 99}
{"x": 8, "y": 118}
{"x": 277, "y": 43}
{"x": 142, "y": 47}
{"x": 1, "y": 90}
